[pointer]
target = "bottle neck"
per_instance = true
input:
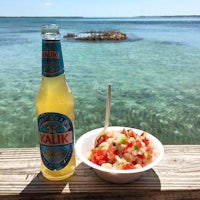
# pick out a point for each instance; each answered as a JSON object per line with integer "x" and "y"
{"x": 50, "y": 32}
{"x": 52, "y": 60}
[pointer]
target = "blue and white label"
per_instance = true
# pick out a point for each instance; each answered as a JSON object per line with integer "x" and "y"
{"x": 56, "y": 134}
{"x": 52, "y": 61}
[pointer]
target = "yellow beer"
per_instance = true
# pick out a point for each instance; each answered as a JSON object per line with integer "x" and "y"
{"x": 55, "y": 111}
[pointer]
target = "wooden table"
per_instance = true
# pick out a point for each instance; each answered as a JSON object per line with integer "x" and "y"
{"x": 177, "y": 176}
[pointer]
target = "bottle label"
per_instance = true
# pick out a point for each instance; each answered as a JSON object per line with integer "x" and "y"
{"x": 52, "y": 61}
{"x": 56, "y": 134}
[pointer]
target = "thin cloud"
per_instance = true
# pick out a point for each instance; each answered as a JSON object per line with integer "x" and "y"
{"x": 48, "y": 4}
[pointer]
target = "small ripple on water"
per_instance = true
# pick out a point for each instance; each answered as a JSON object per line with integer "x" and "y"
{"x": 155, "y": 87}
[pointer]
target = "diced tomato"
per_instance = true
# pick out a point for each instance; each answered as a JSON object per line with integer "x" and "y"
{"x": 129, "y": 144}
{"x": 98, "y": 156}
{"x": 128, "y": 166}
{"x": 149, "y": 149}
{"x": 141, "y": 156}
{"x": 146, "y": 141}
{"x": 124, "y": 151}
{"x": 130, "y": 133}
{"x": 111, "y": 153}
{"x": 101, "y": 139}
{"x": 139, "y": 143}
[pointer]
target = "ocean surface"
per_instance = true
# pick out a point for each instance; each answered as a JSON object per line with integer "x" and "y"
{"x": 155, "y": 76}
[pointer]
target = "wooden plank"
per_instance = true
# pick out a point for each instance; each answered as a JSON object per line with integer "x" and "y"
{"x": 177, "y": 176}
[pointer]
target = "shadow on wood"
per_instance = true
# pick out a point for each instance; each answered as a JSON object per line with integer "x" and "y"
{"x": 40, "y": 187}
{"x": 83, "y": 185}
{"x": 148, "y": 183}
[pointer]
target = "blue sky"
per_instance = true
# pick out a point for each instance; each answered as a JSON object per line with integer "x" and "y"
{"x": 99, "y": 8}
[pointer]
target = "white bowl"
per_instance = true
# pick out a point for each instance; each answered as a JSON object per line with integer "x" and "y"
{"x": 86, "y": 142}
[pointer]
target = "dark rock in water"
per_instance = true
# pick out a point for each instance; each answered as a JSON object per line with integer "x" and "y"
{"x": 70, "y": 35}
{"x": 97, "y": 35}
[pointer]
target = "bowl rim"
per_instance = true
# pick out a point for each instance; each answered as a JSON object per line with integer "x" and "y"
{"x": 119, "y": 171}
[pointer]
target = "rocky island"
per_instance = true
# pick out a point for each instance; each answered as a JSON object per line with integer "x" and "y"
{"x": 97, "y": 36}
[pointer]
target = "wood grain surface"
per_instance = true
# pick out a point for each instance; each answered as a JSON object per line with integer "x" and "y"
{"x": 177, "y": 176}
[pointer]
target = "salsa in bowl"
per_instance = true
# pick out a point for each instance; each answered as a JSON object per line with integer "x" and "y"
{"x": 121, "y": 155}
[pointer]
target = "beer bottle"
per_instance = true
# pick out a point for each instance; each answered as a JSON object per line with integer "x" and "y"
{"x": 55, "y": 110}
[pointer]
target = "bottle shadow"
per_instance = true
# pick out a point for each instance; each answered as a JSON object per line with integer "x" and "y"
{"x": 86, "y": 183}
{"x": 43, "y": 187}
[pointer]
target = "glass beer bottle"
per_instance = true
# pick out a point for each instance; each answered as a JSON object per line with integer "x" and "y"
{"x": 55, "y": 110}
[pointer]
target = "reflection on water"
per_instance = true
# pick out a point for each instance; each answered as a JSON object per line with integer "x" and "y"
{"x": 155, "y": 81}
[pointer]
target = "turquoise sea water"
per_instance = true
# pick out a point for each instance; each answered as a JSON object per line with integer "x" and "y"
{"x": 155, "y": 76}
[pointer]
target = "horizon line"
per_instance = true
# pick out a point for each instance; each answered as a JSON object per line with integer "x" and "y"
{"x": 139, "y": 16}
